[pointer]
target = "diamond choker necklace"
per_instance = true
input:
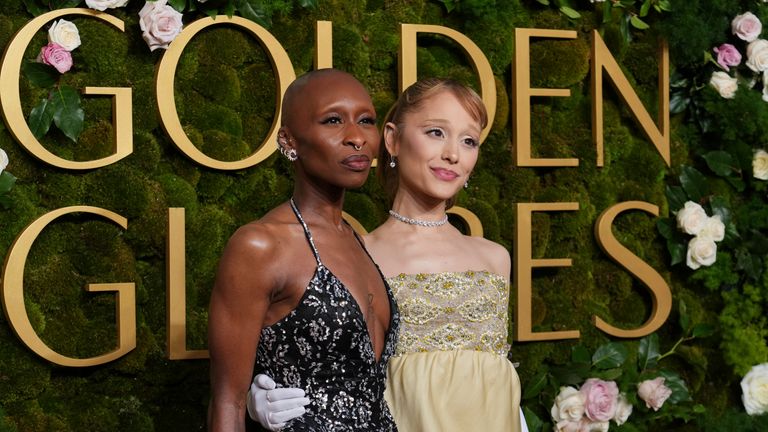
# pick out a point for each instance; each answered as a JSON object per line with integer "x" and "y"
{"x": 419, "y": 222}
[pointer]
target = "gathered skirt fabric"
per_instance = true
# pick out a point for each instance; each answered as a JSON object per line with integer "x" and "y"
{"x": 453, "y": 391}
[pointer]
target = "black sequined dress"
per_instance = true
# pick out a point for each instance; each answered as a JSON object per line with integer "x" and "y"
{"x": 323, "y": 347}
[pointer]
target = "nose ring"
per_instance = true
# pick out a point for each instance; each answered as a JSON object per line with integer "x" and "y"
{"x": 357, "y": 147}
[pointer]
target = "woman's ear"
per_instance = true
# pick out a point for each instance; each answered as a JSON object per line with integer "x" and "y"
{"x": 284, "y": 140}
{"x": 391, "y": 139}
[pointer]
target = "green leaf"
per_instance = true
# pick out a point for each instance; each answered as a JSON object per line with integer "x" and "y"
{"x": 34, "y": 8}
{"x": 607, "y": 6}
{"x": 534, "y": 423}
{"x": 580, "y": 354}
{"x": 678, "y": 102}
{"x": 666, "y": 227}
{"x": 703, "y": 330}
{"x": 178, "y": 5}
{"x": 535, "y": 385}
{"x": 41, "y": 75}
{"x": 254, "y": 10}
{"x": 570, "y": 13}
{"x": 676, "y": 197}
{"x": 720, "y": 162}
{"x": 5, "y": 201}
{"x": 68, "y": 115}
{"x": 645, "y": 8}
{"x": 648, "y": 352}
{"x": 677, "y": 385}
{"x": 638, "y": 23}
{"x": 720, "y": 208}
{"x": 609, "y": 374}
{"x": 6, "y": 182}
{"x": 63, "y": 4}
{"x": 571, "y": 374}
{"x": 677, "y": 251}
{"x": 737, "y": 183}
{"x": 685, "y": 319}
{"x": 610, "y": 355}
{"x": 665, "y": 5}
{"x": 544, "y": 2}
{"x": 694, "y": 183}
{"x": 40, "y": 118}
{"x": 624, "y": 28}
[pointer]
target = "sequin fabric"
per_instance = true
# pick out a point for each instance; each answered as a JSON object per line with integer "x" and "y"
{"x": 452, "y": 311}
{"x": 323, "y": 347}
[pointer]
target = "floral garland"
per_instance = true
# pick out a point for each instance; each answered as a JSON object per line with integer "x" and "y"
{"x": 736, "y": 69}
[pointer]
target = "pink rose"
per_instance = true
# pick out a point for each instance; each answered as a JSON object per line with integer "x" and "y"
{"x": 746, "y": 26}
{"x": 55, "y": 55}
{"x": 727, "y": 55}
{"x": 654, "y": 392}
{"x": 159, "y": 23}
{"x": 601, "y": 399}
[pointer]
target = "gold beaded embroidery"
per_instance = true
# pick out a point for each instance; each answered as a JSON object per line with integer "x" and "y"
{"x": 451, "y": 311}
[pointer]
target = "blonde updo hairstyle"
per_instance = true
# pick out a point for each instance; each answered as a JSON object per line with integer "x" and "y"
{"x": 412, "y": 99}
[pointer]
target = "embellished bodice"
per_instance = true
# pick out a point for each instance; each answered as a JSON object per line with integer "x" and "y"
{"x": 323, "y": 346}
{"x": 452, "y": 311}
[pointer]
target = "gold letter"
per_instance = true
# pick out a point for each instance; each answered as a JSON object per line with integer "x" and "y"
{"x": 474, "y": 225}
{"x": 524, "y": 263}
{"x": 407, "y": 60}
{"x": 176, "y": 296}
{"x": 13, "y": 294}
{"x": 602, "y": 59}
{"x": 323, "y": 44}
{"x": 166, "y": 102}
{"x": 11, "y": 102}
{"x": 662, "y": 296}
{"x": 521, "y": 83}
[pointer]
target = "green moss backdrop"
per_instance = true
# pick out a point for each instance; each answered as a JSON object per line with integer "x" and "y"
{"x": 225, "y": 98}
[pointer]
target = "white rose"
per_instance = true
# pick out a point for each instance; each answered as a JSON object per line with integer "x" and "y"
{"x": 714, "y": 229}
{"x": 623, "y": 410}
{"x": 760, "y": 165}
{"x": 757, "y": 55}
{"x": 105, "y": 4}
{"x": 691, "y": 218}
{"x": 701, "y": 252}
{"x": 754, "y": 390}
{"x": 3, "y": 160}
{"x": 569, "y": 405}
{"x": 724, "y": 84}
{"x": 746, "y": 26}
{"x": 65, "y": 34}
{"x": 159, "y": 23}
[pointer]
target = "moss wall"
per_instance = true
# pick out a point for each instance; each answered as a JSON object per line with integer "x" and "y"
{"x": 225, "y": 99}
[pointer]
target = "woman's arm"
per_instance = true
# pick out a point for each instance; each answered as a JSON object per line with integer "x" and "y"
{"x": 239, "y": 302}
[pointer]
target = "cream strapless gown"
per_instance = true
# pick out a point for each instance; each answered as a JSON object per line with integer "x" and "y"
{"x": 450, "y": 372}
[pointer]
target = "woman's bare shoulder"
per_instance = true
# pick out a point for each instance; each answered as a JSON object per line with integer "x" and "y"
{"x": 495, "y": 256}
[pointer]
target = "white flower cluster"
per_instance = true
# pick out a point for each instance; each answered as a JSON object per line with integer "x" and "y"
{"x": 592, "y": 407}
{"x": 702, "y": 249}
{"x": 746, "y": 27}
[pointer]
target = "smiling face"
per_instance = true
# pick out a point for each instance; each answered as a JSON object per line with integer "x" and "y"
{"x": 330, "y": 121}
{"x": 436, "y": 147}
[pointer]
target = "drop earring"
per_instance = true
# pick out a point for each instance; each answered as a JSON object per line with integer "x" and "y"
{"x": 291, "y": 155}
{"x": 392, "y": 163}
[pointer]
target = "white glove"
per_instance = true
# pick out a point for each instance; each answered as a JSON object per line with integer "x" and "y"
{"x": 273, "y": 407}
